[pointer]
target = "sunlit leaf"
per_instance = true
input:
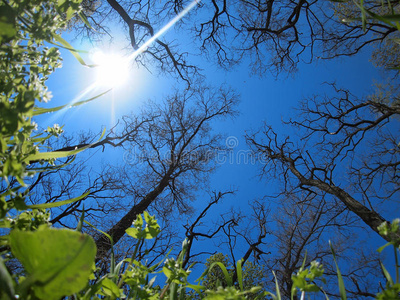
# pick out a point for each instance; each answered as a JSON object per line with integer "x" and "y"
{"x": 64, "y": 44}
{"x": 58, "y": 261}
{"x": 58, "y": 203}
{"x": 239, "y": 274}
{"x": 110, "y": 288}
{"x": 40, "y": 110}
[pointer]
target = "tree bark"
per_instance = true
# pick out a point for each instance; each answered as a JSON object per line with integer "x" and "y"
{"x": 370, "y": 217}
{"x": 118, "y": 230}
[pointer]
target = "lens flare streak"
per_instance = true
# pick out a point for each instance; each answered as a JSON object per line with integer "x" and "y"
{"x": 163, "y": 30}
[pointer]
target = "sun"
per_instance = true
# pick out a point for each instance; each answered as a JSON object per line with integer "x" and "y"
{"x": 112, "y": 70}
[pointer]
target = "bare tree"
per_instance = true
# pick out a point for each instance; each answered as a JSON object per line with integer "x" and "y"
{"x": 168, "y": 150}
{"x": 73, "y": 176}
{"x": 304, "y": 225}
{"x": 193, "y": 231}
{"x": 142, "y": 21}
{"x": 276, "y": 34}
{"x": 171, "y": 156}
{"x": 348, "y": 149}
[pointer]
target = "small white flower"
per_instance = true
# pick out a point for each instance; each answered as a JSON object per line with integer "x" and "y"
{"x": 35, "y": 125}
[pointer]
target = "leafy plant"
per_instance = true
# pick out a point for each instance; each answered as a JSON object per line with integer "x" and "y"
{"x": 56, "y": 262}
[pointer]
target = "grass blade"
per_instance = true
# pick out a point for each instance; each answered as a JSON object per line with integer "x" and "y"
{"x": 239, "y": 274}
{"x": 59, "y": 203}
{"x": 342, "y": 289}
{"x": 40, "y": 110}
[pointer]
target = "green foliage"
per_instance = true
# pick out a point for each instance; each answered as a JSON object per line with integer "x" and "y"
{"x": 218, "y": 278}
{"x": 26, "y": 62}
{"x": 58, "y": 261}
{"x": 365, "y": 11}
{"x": 151, "y": 230}
{"x": 392, "y": 289}
{"x": 218, "y": 274}
{"x": 386, "y": 53}
{"x": 304, "y": 279}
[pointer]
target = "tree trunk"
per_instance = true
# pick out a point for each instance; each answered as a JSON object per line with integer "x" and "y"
{"x": 118, "y": 230}
{"x": 370, "y": 217}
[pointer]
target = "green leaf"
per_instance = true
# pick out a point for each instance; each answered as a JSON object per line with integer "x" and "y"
{"x": 58, "y": 261}
{"x": 7, "y": 23}
{"x": 40, "y": 111}
{"x": 133, "y": 232}
{"x": 239, "y": 273}
{"x": 6, "y": 282}
{"x": 80, "y": 223}
{"x": 59, "y": 203}
{"x": 74, "y": 52}
{"x": 167, "y": 272}
{"x": 380, "y": 249}
{"x": 278, "y": 292}
{"x": 85, "y": 20}
{"x": 151, "y": 230}
{"x": 342, "y": 289}
{"x": 105, "y": 233}
{"x": 387, "y": 274}
{"x": 110, "y": 288}
{"x": 53, "y": 154}
{"x": 112, "y": 263}
{"x": 393, "y": 17}
{"x": 197, "y": 288}
{"x": 59, "y": 154}
{"x": 228, "y": 278}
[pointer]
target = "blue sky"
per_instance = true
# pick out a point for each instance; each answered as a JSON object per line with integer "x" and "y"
{"x": 265, "y": 99}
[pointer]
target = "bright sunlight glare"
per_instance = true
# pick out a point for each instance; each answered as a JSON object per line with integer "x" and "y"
{"x": 112, "y": 69}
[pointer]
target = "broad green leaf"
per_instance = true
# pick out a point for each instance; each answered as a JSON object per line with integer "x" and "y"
{"x": 167, "y": 272}
{"x": 7, "y": 23}
{"x": 110, "y": 288}
{"x": 58, "y": 261}
{"x": 133, "y": 232}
